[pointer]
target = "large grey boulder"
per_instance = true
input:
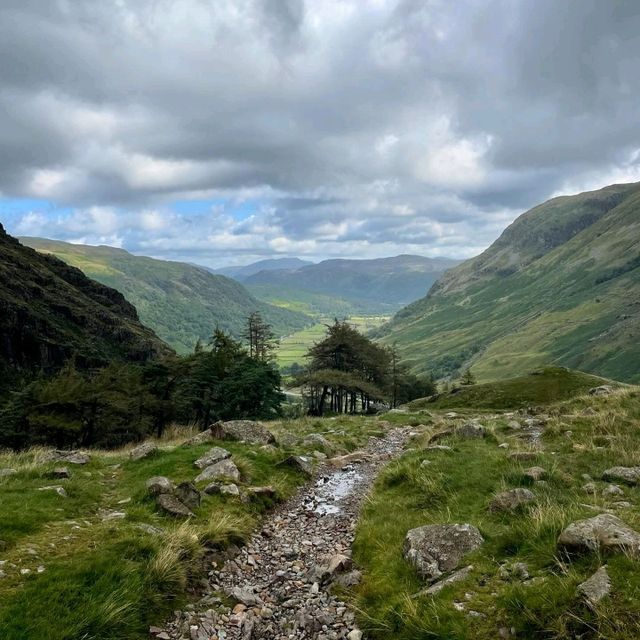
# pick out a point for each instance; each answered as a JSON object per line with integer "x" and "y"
{"x": 628, "y": 475}
{"x": 596, "y": 587}
{"x": 470, "y": 430}
{"x": 159, "y": 484}
{"x": 143, "y": 450}
{"x": 172, "y": 506}
{"x": 223, "y": 469}
{"x": 604, "y": 532}
{"x": 318, "y": 441}
{"x": 71, "y": 457}
{"x": 246, "y": 430}
{"x": 299, "y": 463}
{"x": 511, "y": 500}
{"x": 211, "y": 457}
{"x": 438, "y": 548}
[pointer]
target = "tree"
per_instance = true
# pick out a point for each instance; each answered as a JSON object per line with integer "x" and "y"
{"x": 260, "y": 337}
{"x": 467, "y": 377}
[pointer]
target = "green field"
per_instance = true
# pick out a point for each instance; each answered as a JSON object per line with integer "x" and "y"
{"x": 293, "y": 348}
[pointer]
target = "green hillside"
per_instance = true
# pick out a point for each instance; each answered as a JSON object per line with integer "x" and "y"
{"x": 50, "y": 312}
{"x": 560, "y": 286}
{"x": 180, "y": 302}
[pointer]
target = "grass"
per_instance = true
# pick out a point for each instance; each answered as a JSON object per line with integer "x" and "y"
{"x": 110, "y": 579}
{"x": 541, "y": 387}
{"x": 457, "y": 486}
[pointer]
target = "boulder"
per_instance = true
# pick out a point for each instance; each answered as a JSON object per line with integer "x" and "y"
{"x": 222, "y": 489}
{"x": 511, "y": 500}
{"x": 318, "y": 441}
{"x": 628, "y": 475}
{"x": 299, "y": 463}
{"x": 246, "y": 430}
{"x": 355, "y": 457}
{"x": 470, "y": 430}
{"x": 143, "y": 450}
{"x": 172, "y": 506}
{"x": 534, "y": 473}
{"x": 223, "y": 469}
{"x": 60, "y": 473}
{"x": 70, "y": 457}
{"x": 596, "y": 587}
{"x": 211, "y": 457}
{"x": 200, "y": 438}
{"x": 612, "y": 491}
{"x": 602, "y": 390}
{"x": 187, "y": 493}
{"x": 438, "y": 548}
{"x": 514, "y": 424}
{"x": 327, "y": 570}
{"x": 264, "y": 492}
{"x": 604, "y": 532}
{"x": 159, "y": 484}
{"x": 456, "y": 576}
{"x": 246, "y": 595}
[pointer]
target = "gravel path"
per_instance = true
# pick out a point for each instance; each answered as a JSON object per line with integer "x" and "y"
{"x": 282, "y": 578}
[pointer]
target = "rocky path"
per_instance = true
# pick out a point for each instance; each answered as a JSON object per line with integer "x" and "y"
{"x": 279, "y": 585}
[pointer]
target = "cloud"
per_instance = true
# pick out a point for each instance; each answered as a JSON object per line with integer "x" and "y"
{"x": 361, "y": 127}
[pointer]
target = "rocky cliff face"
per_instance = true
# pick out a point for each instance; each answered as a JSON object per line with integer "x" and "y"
{"x": 50, "y": 312}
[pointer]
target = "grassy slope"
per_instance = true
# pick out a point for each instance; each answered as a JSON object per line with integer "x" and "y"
{"x": 551, "y": 384}
{"x": 107, "y": 580}
{"x": 457, "y": 486}
{"x": 180, "y": 302}
{"x": 561, "y": 286}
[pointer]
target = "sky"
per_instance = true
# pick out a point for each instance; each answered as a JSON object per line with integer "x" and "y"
{"x": 226, "y": 131}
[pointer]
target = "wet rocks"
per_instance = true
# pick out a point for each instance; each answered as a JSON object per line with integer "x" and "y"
{"x": 299, "y": 463}
{"x": 604, "y": 532}
{"x": 437, "y": 549}
{"x": 223, "y": 469}
{"x": 158, "y": 485}
{"x": 143, "y": 450}
{"x": 596, "y": 587}
{"x": 245, "y": 430}
{"x": 211, "y": 457}
{"x": 511, "y": 500}
{"x": 628, "y": 475}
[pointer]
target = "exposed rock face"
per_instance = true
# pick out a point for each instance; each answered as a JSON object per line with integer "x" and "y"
{"x": 628, "y": 475}
{"x": 143, "y": 450}
{"x": 511, "y": 500}
{"x": 223, "y": 469}
{"x": 247, "y": 430}
{"x": 172, "y": 506}
{"x": 596, "y": 587}
{"x": 604, "y": 532}
{"x": 299, "y": 463}
{"x": 50, "y": 312}
{"x": 159, "y": 484}
{"x": 437, "y": 549}
{"x": 211, "y": 457}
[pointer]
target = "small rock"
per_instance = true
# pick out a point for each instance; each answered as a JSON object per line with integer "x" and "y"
{"x": 159, "y": 484}
{"x": 354, "y": 634}
{"x": 456, "y": 576}
{"x": 439, "y": 447}
{"x": 503, "y": 445}
{"x": 317, "y": 440}
{"x": 511, "y": 500}
{"x": 143, "y": 450}
{"x": 596, "y": 587}
{"x": 590, "y": 488}
{"x": 187, "y": 493}
{"x": 470, "y": 430}
{"x": 612, "y": 490}
{"x": 223, "y": 469}
{"x": 59, "y": 473}
{"x": 602, "y": 390}
{"x": 201, "y": 438}
{"x": 515, "y": 571}
{"x": 211, "y": 457}
{"x": 7, "y": 472}
{"x": 523, "y": 456}
{"x": 246, "y": 596}
{"x": 172, "y": 506}
{"x": 59, "y": 490}
{"x": 299, "y": 463}
{"x": 534, "y": 473}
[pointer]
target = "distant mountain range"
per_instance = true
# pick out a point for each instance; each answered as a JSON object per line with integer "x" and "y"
{"x": 241, "y": 273}
{"x": 50, "y": 312}
{"x": 560, "y": 286}
{"x": 180, "y": 302}
{"x": 371, "y": 286}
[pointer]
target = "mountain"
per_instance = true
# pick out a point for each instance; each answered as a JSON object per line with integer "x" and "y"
{"x": 241, "y": 273}
{"x": 384, "y": 283}
{"x": 50, "y": 311}
{"x": 560, "y": 286}
{"x": 181, "y": 302}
